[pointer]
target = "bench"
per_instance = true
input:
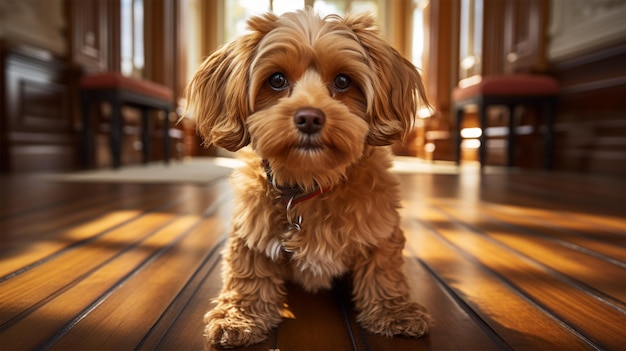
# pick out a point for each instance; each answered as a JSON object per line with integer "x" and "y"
{"x": 119, "y": 90}
{"x": 509, "y": 91}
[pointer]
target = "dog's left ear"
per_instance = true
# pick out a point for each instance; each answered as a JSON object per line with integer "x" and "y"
{"x": 397, "y": 86}
{"x": 218, "y": 92}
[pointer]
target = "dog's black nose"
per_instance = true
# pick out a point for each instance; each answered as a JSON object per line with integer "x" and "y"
{"x": 309, "y": 120}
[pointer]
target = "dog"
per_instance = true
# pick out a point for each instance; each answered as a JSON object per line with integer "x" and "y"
{"x": 311, "y": 104}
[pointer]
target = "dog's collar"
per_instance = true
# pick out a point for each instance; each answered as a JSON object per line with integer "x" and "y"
{"x": 290, "y": 195}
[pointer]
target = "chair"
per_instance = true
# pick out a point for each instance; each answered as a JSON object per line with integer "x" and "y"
{"x": 119, "y": 90}
{"x": 509, "y": 91}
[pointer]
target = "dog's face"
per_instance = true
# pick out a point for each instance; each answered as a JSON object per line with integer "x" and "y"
{"x": 307, "y": 93}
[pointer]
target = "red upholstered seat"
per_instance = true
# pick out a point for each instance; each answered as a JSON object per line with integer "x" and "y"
{"x": 118, "y": 81}
{"x": 505, "y": 85}
{"x": 509, "y": 91}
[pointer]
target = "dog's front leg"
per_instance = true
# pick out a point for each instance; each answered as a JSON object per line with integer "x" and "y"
{"x": 381, "y": 292}
{"x": 251, "y": 300}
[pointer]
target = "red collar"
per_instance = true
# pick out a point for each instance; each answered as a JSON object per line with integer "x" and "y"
{"x": 290, "y": 195}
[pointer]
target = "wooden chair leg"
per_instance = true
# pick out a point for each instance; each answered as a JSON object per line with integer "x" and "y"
{"x": 116, "y": 133}
{"x": 482, "y": 149}
{"x": 549, "y": 112}
{"x": 145, "y": 135}
{"x": 166, "y": 137}
{"x": 459, "y": 110}
{"x": 87, "y": 133}
{"x": 510, "y": 145}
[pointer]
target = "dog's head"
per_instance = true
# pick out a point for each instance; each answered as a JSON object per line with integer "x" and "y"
{"x": 308, "y": 94}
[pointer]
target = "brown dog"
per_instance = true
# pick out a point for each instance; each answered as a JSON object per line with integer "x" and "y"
{"x": 317, "y": 100}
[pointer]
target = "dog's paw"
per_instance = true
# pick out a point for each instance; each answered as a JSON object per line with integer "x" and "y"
{"x": 226, "y": 329}
{"x": 409, "y": 319}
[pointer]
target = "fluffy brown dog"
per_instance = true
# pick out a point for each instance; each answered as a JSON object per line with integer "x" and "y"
{"x": 317, "y": 99}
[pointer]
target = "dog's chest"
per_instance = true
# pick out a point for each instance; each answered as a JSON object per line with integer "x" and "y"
{"x": 318, "y": 239}
{"x": 313, "y": 257}
{"x": 321, "y": 239}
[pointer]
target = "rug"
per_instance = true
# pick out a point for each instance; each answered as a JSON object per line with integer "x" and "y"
{"x": 199, "y": 170}
{"x": 202, "y": 170}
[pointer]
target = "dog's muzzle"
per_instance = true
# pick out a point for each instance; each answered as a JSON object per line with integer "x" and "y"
{"x": 309, "y": 120}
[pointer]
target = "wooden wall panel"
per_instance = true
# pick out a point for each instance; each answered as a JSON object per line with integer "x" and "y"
{"x": 165, "y": 64}
{"x": 525, "y": 24}
{"x": 440, "y": 72}
{"x": 161, "y": 56}
{"x": 492, "y": 60}
{"x": 37, "y": 114}
{"x": 90, "y": 37}
{"x": 591, "y": 123}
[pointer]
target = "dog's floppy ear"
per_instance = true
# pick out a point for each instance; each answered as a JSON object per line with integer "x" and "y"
{"x": 397, "y": 86}
{"x": 218, "y": 92}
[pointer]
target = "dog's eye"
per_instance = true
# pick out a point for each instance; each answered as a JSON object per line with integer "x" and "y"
{"x": 278, "y": 81}
{"x": 342, "y": 82}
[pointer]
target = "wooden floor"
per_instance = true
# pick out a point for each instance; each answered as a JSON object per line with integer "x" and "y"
{"x": 503, "y": 261}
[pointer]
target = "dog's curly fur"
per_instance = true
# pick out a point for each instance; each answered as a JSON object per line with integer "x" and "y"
{"x": 368, "y": 96}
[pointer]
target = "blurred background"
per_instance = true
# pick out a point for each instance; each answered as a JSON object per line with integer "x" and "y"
{"x": 47, "y": 46}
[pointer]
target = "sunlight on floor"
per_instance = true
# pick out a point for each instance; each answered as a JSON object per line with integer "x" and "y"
{"x": 410, "y": 165}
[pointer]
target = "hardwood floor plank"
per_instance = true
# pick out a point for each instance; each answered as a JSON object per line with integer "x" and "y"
{"x": 454, "y": 324}
{"x": 598, "y": 322}
{"x": 19, "y": 252}
{"x": 500, "y": 306}
{"x": 53, "y": 219}
{"x": 22, "y": 220}
{"x": 560, "y": 192}
{"x": 557, "y": 256}
{"x": 25, "y": 246}
{"x": 65, "y": 306}
{"x": 563, "y": 229}
{"x": 316, "y": 322}
{"x": 183, "y": 322}
{"x": 65, "y": 196}
{"x": 120, "y": 319}
{"x": 27, "y": 193}
{"x": 49, "y": 283}
{"x": 30, "y": 253}
{"x": 572, "y": 186}
{"x": 55, "y": 274}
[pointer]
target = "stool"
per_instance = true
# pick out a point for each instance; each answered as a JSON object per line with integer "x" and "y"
{"x": 119, "y": 90}
{"x": 509, "y": 91}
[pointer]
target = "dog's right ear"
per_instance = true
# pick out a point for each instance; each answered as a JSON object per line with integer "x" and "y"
{"x": 217, "y": 95}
